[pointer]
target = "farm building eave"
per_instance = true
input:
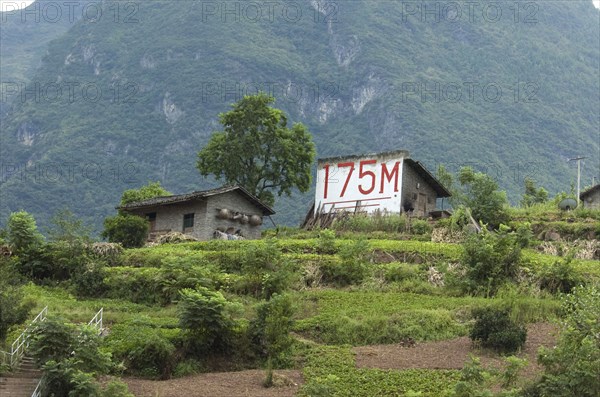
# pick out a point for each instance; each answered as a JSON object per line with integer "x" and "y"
{"x": 431, "y": 180}
{"x": 198, "y": 195}
{"x": 589, "y": 191}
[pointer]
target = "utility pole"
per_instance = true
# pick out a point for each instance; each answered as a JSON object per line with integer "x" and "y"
{"x": 578, "y": 174}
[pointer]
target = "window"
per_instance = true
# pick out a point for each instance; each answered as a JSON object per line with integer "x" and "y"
{"x": 151, "y": 216}
{"x": 188, "y": 221}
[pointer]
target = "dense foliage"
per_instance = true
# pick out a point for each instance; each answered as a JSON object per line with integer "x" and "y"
{"x": 258, "y": 151}
{"x": 489, "y": 260}
{"x": 362, "y": 76}
{"x": 495, "y": 329}
{"x": 14, "y": 309}
{"x": 22, "y": 234}
{"x": 300, "y": 299}
{"x": 533, "y": 195}
{"x": 129, "y": 230}
{"x": 572, "y": 368}
{"x": 206, "y": 316}
{"x": 151, "y": 190}
{"x": 70, "y": 357}
{"x": 482, "y": 195}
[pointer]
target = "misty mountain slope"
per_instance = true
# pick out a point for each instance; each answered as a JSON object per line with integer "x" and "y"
{"x": 509, "y": 97}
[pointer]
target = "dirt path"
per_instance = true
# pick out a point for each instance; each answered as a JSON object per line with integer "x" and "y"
{"x": 220, "y": 384}
{"x": 452, "y": 354}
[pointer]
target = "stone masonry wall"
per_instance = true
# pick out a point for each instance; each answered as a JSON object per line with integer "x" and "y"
{"x": 410, "y": 179}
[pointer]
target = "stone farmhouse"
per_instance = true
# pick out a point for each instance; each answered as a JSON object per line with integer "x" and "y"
{"x": 228, "y": 209}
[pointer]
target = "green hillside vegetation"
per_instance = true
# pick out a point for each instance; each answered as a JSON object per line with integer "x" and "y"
{"x": 349, "y": 76}
{"x": 302, "y": 299}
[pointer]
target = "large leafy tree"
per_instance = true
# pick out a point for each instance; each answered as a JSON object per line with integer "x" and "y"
{"x": 258, "y": 151}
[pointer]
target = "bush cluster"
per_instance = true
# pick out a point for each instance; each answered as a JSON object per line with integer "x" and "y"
{"x": 494, "y": 329}
{"x": 352, "y": 268}
{"x": 71, "y": 359}
{"x": 489, "y": 260}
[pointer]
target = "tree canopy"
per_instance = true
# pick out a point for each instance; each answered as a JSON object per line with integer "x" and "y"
{"x": 151, "y": 190}
{"x": 22, "y": 232}
{"x": 488, "y": 203}
{"x": 533, "y": 195}
{"x": 258, "y": 151}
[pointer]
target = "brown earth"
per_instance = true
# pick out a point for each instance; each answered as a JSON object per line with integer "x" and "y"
{"x": 453, "y": 354}
{"x": 449, "y": 354}
{"x": 220, "y": 384}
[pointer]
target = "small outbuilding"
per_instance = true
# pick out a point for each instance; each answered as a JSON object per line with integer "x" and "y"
{"x": 591, "y": 197}
{"x": 229, "y": 209}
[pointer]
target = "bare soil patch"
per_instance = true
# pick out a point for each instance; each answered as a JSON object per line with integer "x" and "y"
{"x": 453, "y": 354}
{"x": 219, "y": 384}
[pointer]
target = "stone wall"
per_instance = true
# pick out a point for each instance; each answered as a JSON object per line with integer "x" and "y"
{"x": 170, "y": 217}
{"x": 233, "y": 201}
{"x": 592, "y": 200}
{"x": 411, "y": 193}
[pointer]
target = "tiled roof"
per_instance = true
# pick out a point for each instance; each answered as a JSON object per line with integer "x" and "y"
{"x": 180, "y": 198}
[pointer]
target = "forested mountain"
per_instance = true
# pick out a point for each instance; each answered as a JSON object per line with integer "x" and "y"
{"x": 131, "y": 94}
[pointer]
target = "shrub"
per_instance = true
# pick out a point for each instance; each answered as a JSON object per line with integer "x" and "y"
{"x": 572, "y": 367}
{"x": 206, "y": 316}
{"x": 69, "y": 356}
{"x": 353, "y": 265}
{"x": 270, "y": 331}
{"x": 179, "y": 273}
{"x": 62, "y": 378}
{"x": 561, "y": 276}
{"x": 532, "y": 194}
{"x": 396, "y": 272}
{"x": 135, "y": 285}
{"x": 326, "y": 242}
{"x": 187, "y": 367}
{"x": 420, "y": 226}
{"x": 489, "y": 261}
{"x": 152, "y": 356}
{"x": 52, "y": 339}
{"x": 56, "y": 340}
{"x": 22, "y": 233}
{"x": 144, "y": 349}
{"x": 116, "y": 388}
{"x": 89, "y": 280}
{"x": 265, "y": 271}
{"x": 494, "y": 328}
{"x": 524, "y": 235}
{"x": 129, "y": 230}
{"x": 487, "y": 203}
{"x": 14, "y": 309}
